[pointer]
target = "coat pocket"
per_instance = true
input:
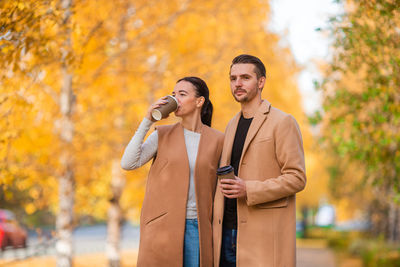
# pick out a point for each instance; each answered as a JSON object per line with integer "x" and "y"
{"x": 155, "y": 218}
{"x": 262, "y": 139}
{"x": 279, "y": 203}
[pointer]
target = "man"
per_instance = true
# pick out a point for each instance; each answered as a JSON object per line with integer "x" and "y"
{"x": 254, "y": 220}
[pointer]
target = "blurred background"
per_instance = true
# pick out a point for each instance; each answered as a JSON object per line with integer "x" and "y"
{"x": 77, "y": 76}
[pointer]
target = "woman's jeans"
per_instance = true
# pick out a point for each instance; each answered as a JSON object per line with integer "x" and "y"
{"x": 228, "y": 248}
{"x": 191, "y": 248}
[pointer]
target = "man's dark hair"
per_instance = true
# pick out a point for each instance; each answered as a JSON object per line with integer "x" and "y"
{"x": 248, "y": 59}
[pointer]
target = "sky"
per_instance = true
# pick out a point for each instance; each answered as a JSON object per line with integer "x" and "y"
{"x": 296, "y": 21}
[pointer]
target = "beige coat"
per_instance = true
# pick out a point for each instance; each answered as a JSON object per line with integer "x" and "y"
{"x": 162, "y": 222}
{"x": 272, "y": 165}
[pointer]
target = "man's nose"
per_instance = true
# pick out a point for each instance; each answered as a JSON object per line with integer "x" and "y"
{"x": 238, "y": 82}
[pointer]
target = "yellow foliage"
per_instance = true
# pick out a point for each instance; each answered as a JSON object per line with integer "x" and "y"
{"x": 122, "y": 61}
{"x": 30, "y": 208}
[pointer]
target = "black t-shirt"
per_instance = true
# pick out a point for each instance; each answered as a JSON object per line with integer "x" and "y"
{"x": 230, "y": 211}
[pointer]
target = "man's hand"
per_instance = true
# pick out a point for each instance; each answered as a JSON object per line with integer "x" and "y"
{"x": 233, "y": 188}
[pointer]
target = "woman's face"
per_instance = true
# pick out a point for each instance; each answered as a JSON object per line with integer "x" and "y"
{"x": 188, "y": 102}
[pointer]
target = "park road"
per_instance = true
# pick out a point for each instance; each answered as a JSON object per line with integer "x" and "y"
{"x": 315, "y": 257}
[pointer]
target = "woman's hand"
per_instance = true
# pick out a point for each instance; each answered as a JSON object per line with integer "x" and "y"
{"x": 156, "y": 104}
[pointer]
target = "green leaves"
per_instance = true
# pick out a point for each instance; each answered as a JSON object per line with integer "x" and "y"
{"x": 362, "y": 96}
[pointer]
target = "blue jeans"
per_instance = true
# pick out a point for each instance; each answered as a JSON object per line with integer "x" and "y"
{"x": 191, "y": 248}
{"x": 228, "y": 248}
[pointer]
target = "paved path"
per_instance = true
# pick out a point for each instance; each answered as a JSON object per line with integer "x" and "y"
{"x": 89, "y": 240}
{"x": 315, "y": 257}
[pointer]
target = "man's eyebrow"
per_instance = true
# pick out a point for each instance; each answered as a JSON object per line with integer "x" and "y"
{"x": 240, "y": 75}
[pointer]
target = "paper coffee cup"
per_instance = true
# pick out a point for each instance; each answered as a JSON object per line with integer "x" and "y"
{"x": 226, "y": 172}
{"x": 165, "y": 109}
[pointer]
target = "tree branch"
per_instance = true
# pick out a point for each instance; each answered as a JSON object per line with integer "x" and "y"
{"x": 143, "y": 34}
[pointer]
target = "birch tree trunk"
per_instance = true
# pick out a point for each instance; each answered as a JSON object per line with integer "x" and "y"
{"x": 64, "y": 222}
{"x": 393, "y": 222}
{"x": 115, "y": 215}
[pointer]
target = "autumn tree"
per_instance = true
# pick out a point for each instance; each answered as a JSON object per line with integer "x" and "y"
{"x": 77, "y": 79}
{"x": 361, "y": 118}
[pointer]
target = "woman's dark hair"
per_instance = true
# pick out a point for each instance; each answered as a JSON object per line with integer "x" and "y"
{"x": 202, "y": 90}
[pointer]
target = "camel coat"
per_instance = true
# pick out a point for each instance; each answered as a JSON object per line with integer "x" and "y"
{"x": 272, "y": 166}
{"x": 162, "y": 222}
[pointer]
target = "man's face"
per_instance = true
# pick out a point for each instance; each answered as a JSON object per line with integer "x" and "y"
{"x": 244, "y": 83}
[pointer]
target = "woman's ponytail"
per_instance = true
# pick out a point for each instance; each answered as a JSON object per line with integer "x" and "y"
{"x": 206, "y": 112}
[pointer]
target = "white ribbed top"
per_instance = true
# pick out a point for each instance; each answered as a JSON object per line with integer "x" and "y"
{"x": 137, "y": 154}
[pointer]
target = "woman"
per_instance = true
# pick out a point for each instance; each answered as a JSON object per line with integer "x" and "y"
{"x": 176, "y": 219}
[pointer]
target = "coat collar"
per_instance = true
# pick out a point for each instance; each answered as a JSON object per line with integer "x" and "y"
{"x": 258, "y": 119}
{"x": 228, "y": 141}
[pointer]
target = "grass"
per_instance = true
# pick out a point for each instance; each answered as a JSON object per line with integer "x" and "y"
{"x": 359, "y": 248}
{"x": 311, "y": 243}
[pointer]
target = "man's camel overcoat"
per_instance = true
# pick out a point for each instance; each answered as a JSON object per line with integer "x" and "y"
{"x": 162, "y": 222}
{"x": 272, "y": 166}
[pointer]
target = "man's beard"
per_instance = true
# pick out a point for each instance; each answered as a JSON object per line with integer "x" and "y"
{"x": 243, "y": 100}
{"x": 246, "y": 98}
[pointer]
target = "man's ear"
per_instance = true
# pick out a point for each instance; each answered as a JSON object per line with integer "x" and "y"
{"x": 261, "y": 83}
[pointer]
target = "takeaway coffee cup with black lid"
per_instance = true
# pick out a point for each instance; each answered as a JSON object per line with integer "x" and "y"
{"x": 165, "y": 109}
{"x": 226, "y": 172}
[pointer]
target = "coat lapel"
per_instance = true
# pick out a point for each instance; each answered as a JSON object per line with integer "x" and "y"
{"x": 228, "y": 141}
{"x": 181, "y": 145}
{"x": 258, "y": 120}
{"x": 204, "y": 140}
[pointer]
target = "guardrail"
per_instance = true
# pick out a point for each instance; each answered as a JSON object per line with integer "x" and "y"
{"x": 42, "y": 245}
{"x": 86, "y": 240}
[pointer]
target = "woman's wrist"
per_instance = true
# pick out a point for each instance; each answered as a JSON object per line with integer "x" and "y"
{"x": 148, "y": 117}
{"x": 147, "y": 121}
